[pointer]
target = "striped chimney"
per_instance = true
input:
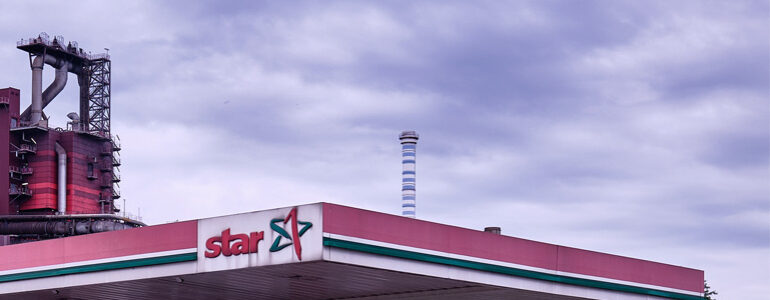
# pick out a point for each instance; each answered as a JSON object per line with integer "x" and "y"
{"x": 408, "y": 175}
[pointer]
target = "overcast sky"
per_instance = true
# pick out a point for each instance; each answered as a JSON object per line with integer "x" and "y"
{"x": 635, "y": 128}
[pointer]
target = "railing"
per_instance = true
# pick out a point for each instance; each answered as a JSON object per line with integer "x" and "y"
{"x": 26, "y": 170}
{"x": 75, "y": 126}
{"x": 132, "y": 216}
{"x": 5, "y": 101}
{"x": 38, "y": 40}
{"x": 115, "y": 142}
{"x": 97, "y": 56}
{"x": 41, "y": 124}
{"x": 19, "y": 190}
{"x": 100, "y": 134}
{"x": 83, "y": 212}
{"x": 115, "y": 191}
{"x": 22, "y": 170}
{"x": 27, "y": 148}
{"x": 59, "y": 41}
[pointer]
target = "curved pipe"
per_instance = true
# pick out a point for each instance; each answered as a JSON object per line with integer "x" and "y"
{"x": 59, "y": 81}
{"x": 40, "y": 98}
{"x": 62, "y": 185}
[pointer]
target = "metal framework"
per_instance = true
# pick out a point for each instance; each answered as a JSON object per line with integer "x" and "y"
{"x": 95, "y": 115}
{"x": 98, "y": 77}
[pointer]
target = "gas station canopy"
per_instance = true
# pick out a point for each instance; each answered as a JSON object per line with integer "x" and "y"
{"x": 326, "y": 251}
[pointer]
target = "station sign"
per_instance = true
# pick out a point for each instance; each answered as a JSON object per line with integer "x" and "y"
{"x": 278, "y": 236}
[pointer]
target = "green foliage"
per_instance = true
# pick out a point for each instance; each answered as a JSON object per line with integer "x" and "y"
{"x": 707, "y": 292}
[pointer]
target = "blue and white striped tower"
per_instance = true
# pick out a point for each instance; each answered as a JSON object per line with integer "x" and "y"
{"x": 408, "y": 163}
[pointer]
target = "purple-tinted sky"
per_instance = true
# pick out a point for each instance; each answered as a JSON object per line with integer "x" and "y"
{"x": 636, "y": 128}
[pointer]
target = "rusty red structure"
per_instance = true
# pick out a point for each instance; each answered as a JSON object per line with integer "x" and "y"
{"x": 61, "y": 181}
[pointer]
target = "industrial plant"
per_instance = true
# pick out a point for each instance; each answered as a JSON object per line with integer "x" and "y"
{"x": 61, "y": 181}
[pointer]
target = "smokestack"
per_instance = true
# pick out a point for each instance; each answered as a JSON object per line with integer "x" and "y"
{"x": 36, "y": 107}
{"x": 408, "y": 174}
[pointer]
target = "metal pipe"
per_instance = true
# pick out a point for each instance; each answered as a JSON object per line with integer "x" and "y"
{"x": 58, "y": 84}
{"x": 21, "y": 218}
{"x": 37, "y": 89}
{"x": 33, "y": 228}
{"x": 62, "y": 227}
{"x": 62, "y": 186}
{"x": 60, "y": 81}
{"x": 84, "y": 92}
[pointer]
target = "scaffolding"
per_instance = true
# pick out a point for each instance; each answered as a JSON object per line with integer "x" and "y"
{"x": 96, "y": 99}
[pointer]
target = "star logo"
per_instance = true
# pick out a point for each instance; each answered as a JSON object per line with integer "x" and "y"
{"x": 293, "y": 239}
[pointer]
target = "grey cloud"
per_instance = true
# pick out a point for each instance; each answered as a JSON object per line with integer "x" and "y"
{"x": 607, "y": 125}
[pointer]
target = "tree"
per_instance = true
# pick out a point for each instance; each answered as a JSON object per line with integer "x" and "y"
{"x": 707, "y": 292}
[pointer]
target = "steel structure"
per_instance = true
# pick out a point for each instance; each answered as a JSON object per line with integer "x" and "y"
{"x": 68, "y": 172}
{"x": 95, "y": 102}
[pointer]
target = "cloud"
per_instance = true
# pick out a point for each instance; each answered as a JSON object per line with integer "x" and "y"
{"x": 633, "y": 128}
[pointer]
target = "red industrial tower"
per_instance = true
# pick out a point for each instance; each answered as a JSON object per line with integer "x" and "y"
{"x": 62, "y": 181}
